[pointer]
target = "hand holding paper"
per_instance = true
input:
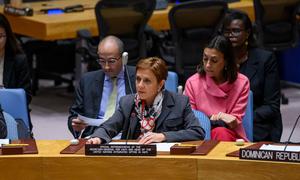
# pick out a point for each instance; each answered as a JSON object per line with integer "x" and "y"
{"x": 78, "y": 124}
{"x": 91, "y": 121}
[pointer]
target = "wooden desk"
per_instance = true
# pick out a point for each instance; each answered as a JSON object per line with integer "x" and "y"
{"x": 64, "y": 26}
{"x": 49, "y": 164}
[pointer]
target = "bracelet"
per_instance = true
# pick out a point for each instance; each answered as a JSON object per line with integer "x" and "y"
{"x": 219, "y": 115}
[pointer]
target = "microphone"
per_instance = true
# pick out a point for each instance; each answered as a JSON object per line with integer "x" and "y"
{"x": 179, "y": 89}
{"x": 288, "y": 141}
{"x": 124, "y": 58}
{"x": 18, "y": 11}
{"x": 124, "y": 61}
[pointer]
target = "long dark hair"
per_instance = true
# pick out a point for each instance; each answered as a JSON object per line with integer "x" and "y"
{"x": 223, "y": 45}
{"x": 12, "y": 47}
{"x": 239, "y": 15}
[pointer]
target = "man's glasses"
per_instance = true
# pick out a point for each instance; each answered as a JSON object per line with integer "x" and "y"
{"x": 234, "y": 31}
{"x": 109, "y": 61}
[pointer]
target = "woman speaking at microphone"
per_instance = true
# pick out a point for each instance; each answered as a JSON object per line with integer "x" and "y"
{"x": 153, "y": 114}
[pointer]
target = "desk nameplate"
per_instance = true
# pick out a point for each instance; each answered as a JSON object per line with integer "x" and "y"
{"x": 30, "y": 148}
{"x": 253, "y": 146}
{"x": 73, "y": 149}
{"x": 269, "y": 155}
{"x": 120, "y": 150}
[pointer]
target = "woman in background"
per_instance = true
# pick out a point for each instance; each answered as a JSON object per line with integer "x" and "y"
{"x": 260, "y": 67}
{"x": 153, "y": 114}
{"x": 14, "y": 70}
{"x": 3, "y": 128}
{"x": 220, "y": 91}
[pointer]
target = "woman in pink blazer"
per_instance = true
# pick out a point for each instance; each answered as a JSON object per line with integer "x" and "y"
{"x": 220, "y": 91}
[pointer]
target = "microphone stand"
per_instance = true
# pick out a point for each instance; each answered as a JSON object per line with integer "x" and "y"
{"x": 129, "y": 130}
{"x": 288, "y": 141}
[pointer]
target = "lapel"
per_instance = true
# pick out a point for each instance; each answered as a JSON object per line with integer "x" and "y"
{"x": 167, "y": 105}
{"x": 97, "y": 90}
{"x": 251, "y": 68}
{"x": 7, "y": 70}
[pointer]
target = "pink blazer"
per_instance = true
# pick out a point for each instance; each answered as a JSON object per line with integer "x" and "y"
{"x": 206, "y": 96}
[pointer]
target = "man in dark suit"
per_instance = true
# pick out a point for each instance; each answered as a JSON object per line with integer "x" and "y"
{"x": 3, "y": 129}
{"x": 95, "y": 89}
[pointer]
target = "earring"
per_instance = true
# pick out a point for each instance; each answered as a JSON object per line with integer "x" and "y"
{"x": 225, "y": 68}
{"x": 246, "y": 42}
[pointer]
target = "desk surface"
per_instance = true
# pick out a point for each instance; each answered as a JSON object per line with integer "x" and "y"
{"x": 49, "y": 164}
{"x": 64, "y": 26}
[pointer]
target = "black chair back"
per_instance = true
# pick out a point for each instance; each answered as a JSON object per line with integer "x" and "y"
{"x": 126, "y": 19}
{"x": 275, "y": 23}
{"x": 193, "y": 24}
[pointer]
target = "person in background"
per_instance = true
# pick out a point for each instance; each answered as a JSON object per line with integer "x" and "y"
{"x": 14, "y": 69}
{"x": 220, "y": 91}
{"x": 3, "y": 128}
{"x": 153, "y": 114}
{"x": 260, "y": 67}
{"x": 99, "y": 91}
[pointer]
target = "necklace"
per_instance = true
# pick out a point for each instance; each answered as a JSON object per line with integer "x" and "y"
{"x": 242, "y": 59}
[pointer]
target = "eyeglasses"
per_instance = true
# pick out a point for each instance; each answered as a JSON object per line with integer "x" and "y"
{"x": 109, "y": 61}
{"x": 233, "y": 31}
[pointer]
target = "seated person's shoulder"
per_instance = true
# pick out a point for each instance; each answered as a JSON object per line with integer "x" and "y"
{"x": 242, "y": 78}
{"x": 126, "y": 102}
{"x": 178, "y": 98}
{"x": 131, "y": 68}
{"x": 261, "y": 53}
{"x": 194, "y": 77}
{"x": 242, "y": 82}
{"x": 92, "y": 75}
{"x": 20, "y": 58}
{"x": 127, "y": 99}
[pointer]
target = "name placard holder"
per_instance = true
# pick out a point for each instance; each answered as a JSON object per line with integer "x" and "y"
{"x": 268, "y": 155}
{"x": 120, "y": 150}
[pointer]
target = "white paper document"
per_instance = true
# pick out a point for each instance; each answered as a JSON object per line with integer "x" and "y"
{"x": 4, "y": 141}
{"x": 164, "y": 147}
{"x": 91, "y": 121}
{"x": 280, "y": 148}
{"x": 161, "y": 147}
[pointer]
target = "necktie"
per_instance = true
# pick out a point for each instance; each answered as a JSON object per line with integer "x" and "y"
{"x": 111, "y": 105}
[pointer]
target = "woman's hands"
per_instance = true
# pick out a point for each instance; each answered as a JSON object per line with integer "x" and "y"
{"x": 148, "y": 138}
{"x": 229, "y": 119}
{"x": 94, "y": 140}
{"x": 78, "y": 124}
{"x": 151, "y": 137}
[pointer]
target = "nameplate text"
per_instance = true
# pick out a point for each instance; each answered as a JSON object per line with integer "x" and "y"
{"x": 120, "y": 150}
{"x": 269, "y": 155}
